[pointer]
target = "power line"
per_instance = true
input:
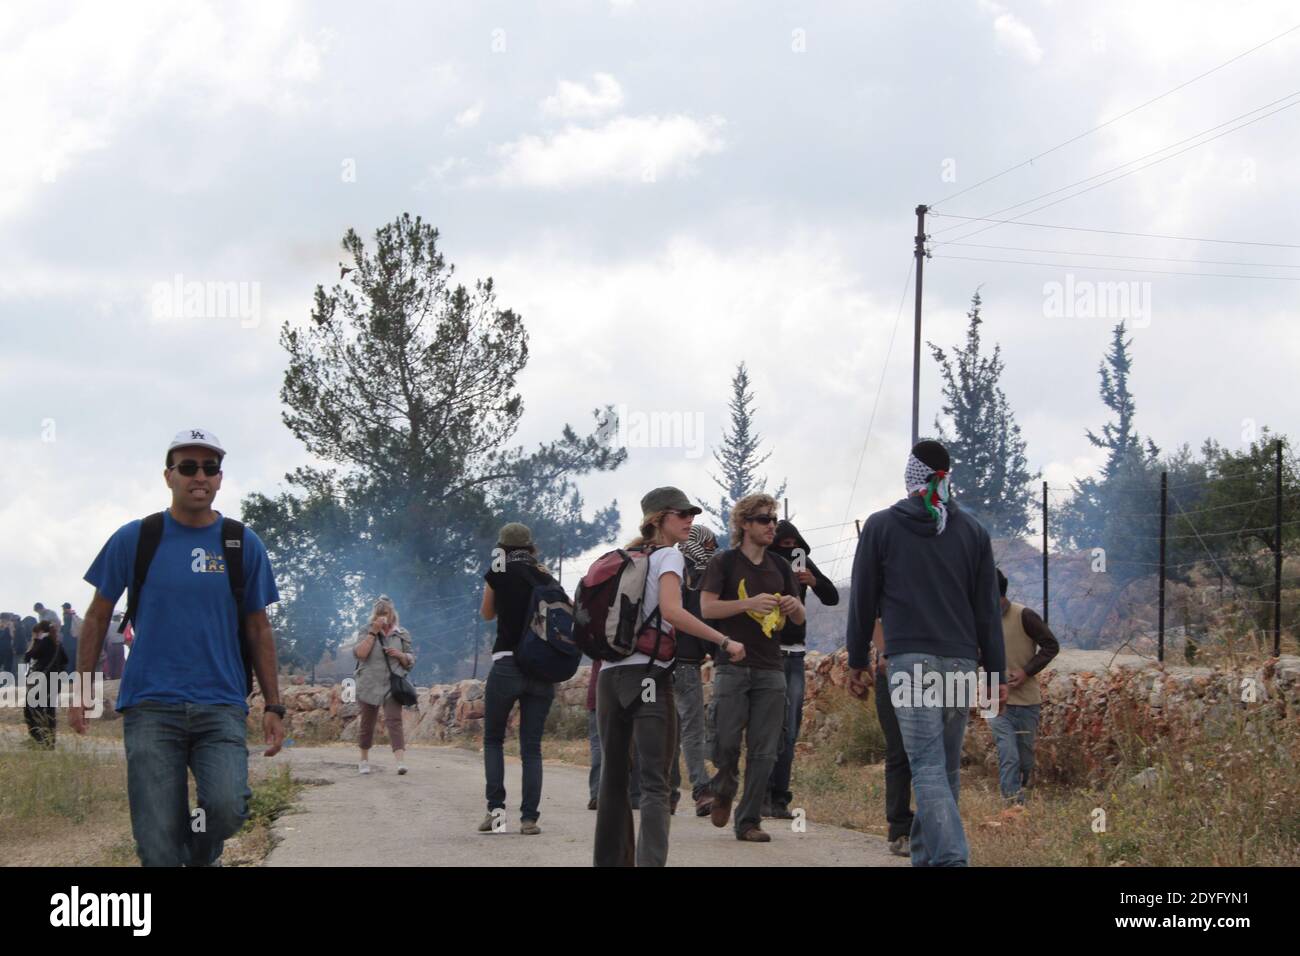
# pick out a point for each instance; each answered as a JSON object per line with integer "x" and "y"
{"x": 1154, "y": 152}
{"x": 1114, "y": 119}
{"x": 1106, "y": 182}
{"x": 875, "y": 405}
{"x": 1156, "y": 272}
{"x": 1117, "y": 232}
{"x": 1108, "y": 255}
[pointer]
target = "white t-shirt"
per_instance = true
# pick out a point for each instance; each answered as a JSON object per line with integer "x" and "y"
{"x": 663, "y": 561}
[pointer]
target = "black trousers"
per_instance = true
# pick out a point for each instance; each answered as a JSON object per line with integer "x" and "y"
{"x": 898, "y": 772}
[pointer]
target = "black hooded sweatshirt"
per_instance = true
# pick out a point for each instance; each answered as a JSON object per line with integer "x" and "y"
{"x": 936, "y": 593}
{"x": 826, "y": 592}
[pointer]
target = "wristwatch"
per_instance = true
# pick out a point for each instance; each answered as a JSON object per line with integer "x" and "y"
{"x": 277, "y": 709}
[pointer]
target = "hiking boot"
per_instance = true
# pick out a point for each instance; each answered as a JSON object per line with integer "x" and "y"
{"x": 765, "y": 810}
{"x": 529, "y": 827}
{"x": 486, "y": 825}
{"x": 704, "y": 804}
{"x": 901, "y": 846}
{"x": 721, "y": 811}
{"x": 591, "y": 804}
{"x": 781, "y": 811}
{"x": 754, "y": 834}
{"x": 673, "y": 801}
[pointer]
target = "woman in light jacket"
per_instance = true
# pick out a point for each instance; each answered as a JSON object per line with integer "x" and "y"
{"x": 384, "y": 638}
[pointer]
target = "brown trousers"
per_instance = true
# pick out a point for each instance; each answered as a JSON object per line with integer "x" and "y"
{"x": 392, "y": 720}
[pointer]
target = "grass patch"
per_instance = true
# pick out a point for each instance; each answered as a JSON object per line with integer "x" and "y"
{"x": 1225, "y": 793}
{"x": 273, "y": 796}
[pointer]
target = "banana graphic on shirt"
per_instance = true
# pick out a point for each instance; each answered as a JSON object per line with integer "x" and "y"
{"x": 773, "y": 620}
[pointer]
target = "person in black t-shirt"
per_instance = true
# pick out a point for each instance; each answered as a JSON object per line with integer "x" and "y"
{"x": 510, "y": 581}
{"x": 750, "y": 594}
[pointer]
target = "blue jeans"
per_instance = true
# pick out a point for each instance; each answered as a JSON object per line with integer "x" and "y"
{"x": 162, "y": 741}
{"x": 932, "y": 736}
{"x": 505, "y": 685}
{"x": 794, "y": 689}
{"x": 1015, "y": 731}
{"x": 689, "y": 693}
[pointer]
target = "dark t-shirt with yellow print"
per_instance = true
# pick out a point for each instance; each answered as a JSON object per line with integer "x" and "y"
{"x": 732, "y": 576}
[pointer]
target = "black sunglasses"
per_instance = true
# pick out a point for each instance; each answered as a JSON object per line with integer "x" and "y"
{"x": 189, "y": 468}
{"x": 764, "y": 519}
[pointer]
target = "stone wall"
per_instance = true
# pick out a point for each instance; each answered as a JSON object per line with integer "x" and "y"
{"x": 1081, "y": 691}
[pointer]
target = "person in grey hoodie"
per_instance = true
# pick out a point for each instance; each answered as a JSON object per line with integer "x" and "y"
{"x": 925, "y": 567}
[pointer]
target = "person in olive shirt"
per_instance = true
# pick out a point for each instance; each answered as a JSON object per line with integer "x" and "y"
{"x": 750, "y": 594}
{"x": 1031, "y": 645}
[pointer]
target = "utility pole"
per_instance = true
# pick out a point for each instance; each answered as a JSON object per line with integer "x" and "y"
{"x": 1164, "y": 517}
{"x": 916, "y": 339}
{"x": 1045, "y": 552}
{"x": 1277, "y": 557}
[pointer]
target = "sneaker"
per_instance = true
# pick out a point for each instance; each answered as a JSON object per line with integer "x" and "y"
{"x": 901, "y": 846}
{"x": 486, "y": 825}
{"x": 592, "y": 804}
{"x": 363, "y": 767}
{"x": 781, "y": 811}
{"x": 704, "y": 804}
{"x": 754, "y": 834}
{"x": 401, "y": 769}
{"x": 721, "y": 811}
{"x": 529, "y": 827}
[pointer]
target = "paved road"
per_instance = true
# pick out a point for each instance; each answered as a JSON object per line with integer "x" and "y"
{"x": 429, "y": 818}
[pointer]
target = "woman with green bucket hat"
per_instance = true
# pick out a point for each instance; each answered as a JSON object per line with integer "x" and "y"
{"x": 635, "y": 706}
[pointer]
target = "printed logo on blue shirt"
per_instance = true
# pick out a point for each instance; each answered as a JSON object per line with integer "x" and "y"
{"x": 206, "y": 562}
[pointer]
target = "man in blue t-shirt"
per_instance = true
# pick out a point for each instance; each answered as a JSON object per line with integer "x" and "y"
{"x": 183, "y": 695}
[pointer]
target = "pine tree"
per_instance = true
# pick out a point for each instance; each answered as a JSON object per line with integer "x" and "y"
{"x": 1118, "y": 437}
{"x": 405, "y": 381}
{"x": 738, "y": 456}
{"x": 990, "y": 473}
{"x": 1102, "y": 512}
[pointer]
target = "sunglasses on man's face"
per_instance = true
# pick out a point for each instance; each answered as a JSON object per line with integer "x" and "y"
{"x": 189, "y": 468}
{"x": 763, "y": 519}
{"x": 684, "y": 514}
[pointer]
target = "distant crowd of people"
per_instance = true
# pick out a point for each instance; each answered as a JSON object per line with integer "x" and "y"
{"x": 43, "y": 645}
{"x": 926, "y": 601}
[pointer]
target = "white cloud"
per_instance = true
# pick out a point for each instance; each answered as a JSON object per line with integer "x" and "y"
{"x": 575, "y": 101}
{"x": 1012, "y": 33}
{"x": 628, "y": 149}
{"x": 88, "y": 73}
{"x": 469, "y": 116}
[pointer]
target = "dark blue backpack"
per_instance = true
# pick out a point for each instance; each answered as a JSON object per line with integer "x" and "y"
{"x": 547, "y": 650}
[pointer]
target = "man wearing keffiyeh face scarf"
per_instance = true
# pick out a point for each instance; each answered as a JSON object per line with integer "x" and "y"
{"x": 925, "y": 568}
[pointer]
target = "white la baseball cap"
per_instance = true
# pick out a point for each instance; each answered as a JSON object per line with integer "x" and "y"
{"x": 196, "y": 437}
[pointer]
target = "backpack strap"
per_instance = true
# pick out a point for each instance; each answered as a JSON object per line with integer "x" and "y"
{"x": 232, "y": 550}
{"x": 151, "y": 529}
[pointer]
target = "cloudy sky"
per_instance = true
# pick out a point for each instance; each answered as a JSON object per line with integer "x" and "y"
{"x": 693, "y": 184}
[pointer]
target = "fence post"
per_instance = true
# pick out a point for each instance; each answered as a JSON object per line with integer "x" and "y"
{"x": 1164, "y": 515}
{"x": 1045, "y": 608}
{"x": 1277, "y": 556}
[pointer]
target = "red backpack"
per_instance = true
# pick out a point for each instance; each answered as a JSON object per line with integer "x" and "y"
{"x": 607, "y": 623}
